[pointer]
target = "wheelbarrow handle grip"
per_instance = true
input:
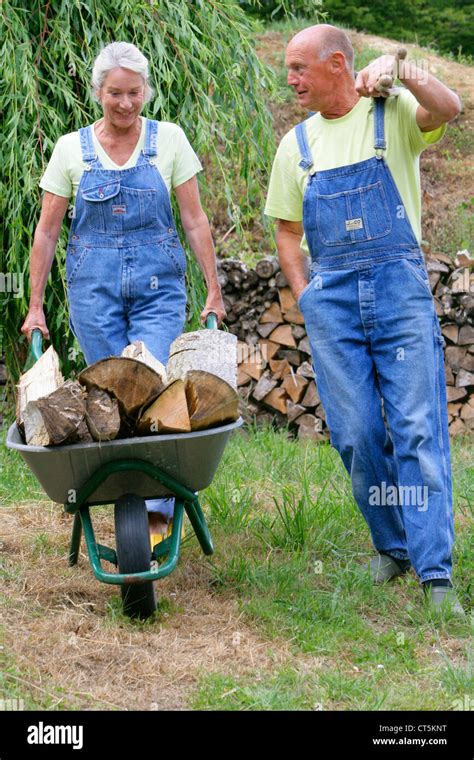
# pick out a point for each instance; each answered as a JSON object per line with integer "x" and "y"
{"x": 211, "y": 321}
{"x": 36, "y": 348}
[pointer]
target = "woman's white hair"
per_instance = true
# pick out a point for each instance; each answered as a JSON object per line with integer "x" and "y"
{"x": 119, "y": 55}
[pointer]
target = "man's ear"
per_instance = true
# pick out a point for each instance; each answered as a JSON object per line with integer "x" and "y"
{"x": 337, "y": 62}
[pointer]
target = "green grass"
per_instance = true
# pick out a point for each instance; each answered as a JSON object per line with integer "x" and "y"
{"x": 289, "y": 544}
{"x": 291, "y": 549}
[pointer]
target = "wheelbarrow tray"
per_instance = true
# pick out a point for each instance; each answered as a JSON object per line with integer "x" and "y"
{"x": 190, "y": 458}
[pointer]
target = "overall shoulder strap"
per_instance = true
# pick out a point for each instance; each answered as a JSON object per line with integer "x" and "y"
{"x": 151, "y": 138}
{"x": 87, "y": 146}
{"x": 302, "y": 138}
{"x": 380, "y": 143}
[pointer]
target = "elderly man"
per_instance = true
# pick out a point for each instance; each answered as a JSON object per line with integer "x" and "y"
{"x": 348, "y": 177}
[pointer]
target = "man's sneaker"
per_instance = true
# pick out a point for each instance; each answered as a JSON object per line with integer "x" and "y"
{"x": 443, "y": 598}
{"x": 384, "y": 568}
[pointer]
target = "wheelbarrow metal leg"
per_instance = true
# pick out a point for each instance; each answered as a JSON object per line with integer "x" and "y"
{"x": 198, "y": 521}
{"x": 75, "y": 544}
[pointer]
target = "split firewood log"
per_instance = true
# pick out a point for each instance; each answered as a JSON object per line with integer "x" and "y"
{"x": 273, "y": 314}
{"x": 284, "y": 336}
{"x": 295, "y": 386}
{"x": 131, "y": 382}
{"x": 264, "y": 386}
{"x": 43, "y": 378}
{"x": 54, "y": 418}
{"x": 168, "y": 414}
{"x": 102, "y": 415}
{"x": 137, "y": 350}
{"x": 211, "y": 351}
{"x": 211, "y": 401}
{"x": 277, "y": 399}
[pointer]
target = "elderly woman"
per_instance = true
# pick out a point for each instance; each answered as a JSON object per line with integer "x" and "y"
{"x": 125, "y": 266}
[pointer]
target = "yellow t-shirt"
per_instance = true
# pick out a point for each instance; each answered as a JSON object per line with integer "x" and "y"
{"x": 175, "y": 159}
{"x": 347, "y": 140}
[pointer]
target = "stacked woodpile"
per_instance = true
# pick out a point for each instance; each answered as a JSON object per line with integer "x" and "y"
{"x": 128, "y": 395}
{"x": 275, "y": 377}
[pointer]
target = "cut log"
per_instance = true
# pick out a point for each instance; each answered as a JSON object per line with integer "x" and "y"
{"x": 451, "y": 332}
{"x": 168, "y": 414}
{"x": 102, "y": 415}
{"x": 211, "y": 351}
{"x": 448, "y": 372}
{"x": 466, "y": 335}
{"x": 211, "y": 401}
{"x": 310, "y": 428}
{"x": 137, "y": 350}
{"x": 453, "y": 394}
{"x": 263, "y": 387}
{"x": 266, "y": 268}
{"x": 294, "y": 315}
{"x": 298, "y": 332}
{"x": 306, "y": 370}
{"x": 242, "y": 377}
{"x": 294, "y": 357}
{"x": 464, "y": 378}
{"x": 454, "y": 357}
{"x": 268, "y": 348}
{"x": 277, "y": 399}
{"x": 295, "y": 386}
{"x": 280, "y": 280}
{"x": 273, "y": 314}
{"x": 304, "y": 345}
{"x": 319, "y": 412}
{"x": 293, "y": 411}
{"x": 283, "y": 335}
{"x": 457, "y": 427}
{"x": 131, "y": 382}
{"x": 43, "y": 378}
{"x": 279, "y": 368}
{"x": 253, "y": 368}
{"x": 287, "y": 299}
{"x": 454, "y": 407}
{"x": 51, "y": 420}
{"x": 81, "y": 435}
{"x": 267, "y": 328}
{"x": 311, "y": 397}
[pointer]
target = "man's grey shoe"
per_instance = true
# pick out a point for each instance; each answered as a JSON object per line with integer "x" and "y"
{"x": 443, "y": 598}
{"x": 383, "y": 568}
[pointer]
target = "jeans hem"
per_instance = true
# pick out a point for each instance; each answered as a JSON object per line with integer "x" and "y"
{"x": 434, "y": 576}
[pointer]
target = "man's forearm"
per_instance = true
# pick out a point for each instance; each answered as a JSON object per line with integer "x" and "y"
{"x": 434, "y": 96}
{"x": 293, "y": 262}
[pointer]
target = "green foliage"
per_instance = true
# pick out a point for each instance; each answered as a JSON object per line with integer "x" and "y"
{"x": 447, "y": 25}
{"x": 207, "y": 78}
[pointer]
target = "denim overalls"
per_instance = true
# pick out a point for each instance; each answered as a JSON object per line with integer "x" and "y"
{"x": 377, "y": 350}
{"x": 125, "y": 266}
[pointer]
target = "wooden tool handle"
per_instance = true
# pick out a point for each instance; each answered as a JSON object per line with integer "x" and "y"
{"x": 385, "y": 81}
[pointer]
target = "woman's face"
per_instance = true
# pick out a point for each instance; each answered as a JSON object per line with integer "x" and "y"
{"x": 122, "y": 96}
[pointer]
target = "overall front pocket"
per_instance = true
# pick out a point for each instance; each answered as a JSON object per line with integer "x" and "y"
{"x": 112, "y": 208}
{"x": 353, "y": 216}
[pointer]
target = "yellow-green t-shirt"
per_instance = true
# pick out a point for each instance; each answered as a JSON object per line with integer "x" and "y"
{"x": 175, "y": 159}
{"x": 347, "y": 140}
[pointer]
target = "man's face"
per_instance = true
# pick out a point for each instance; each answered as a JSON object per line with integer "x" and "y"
{"x": 307, "y": 75}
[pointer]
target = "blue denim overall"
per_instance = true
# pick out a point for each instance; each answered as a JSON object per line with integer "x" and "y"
{"x": 377, "y": 352}
{"x": 125, "y": 266}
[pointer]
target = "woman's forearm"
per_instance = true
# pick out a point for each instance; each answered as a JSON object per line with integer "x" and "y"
{"x": 200, "y": 239}
{"x": 41, "y": 260}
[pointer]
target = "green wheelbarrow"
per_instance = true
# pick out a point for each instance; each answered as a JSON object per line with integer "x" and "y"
{"x": 125, "y": 472}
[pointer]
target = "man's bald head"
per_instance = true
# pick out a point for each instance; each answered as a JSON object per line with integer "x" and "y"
{"x": 325, "y": 40}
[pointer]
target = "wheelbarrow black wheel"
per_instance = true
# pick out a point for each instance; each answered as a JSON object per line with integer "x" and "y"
{"x": 132, "y": 540}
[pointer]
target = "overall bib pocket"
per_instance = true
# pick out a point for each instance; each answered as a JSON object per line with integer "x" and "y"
{"x": 353, "y": 216}
{"x": 114, "y": 208}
